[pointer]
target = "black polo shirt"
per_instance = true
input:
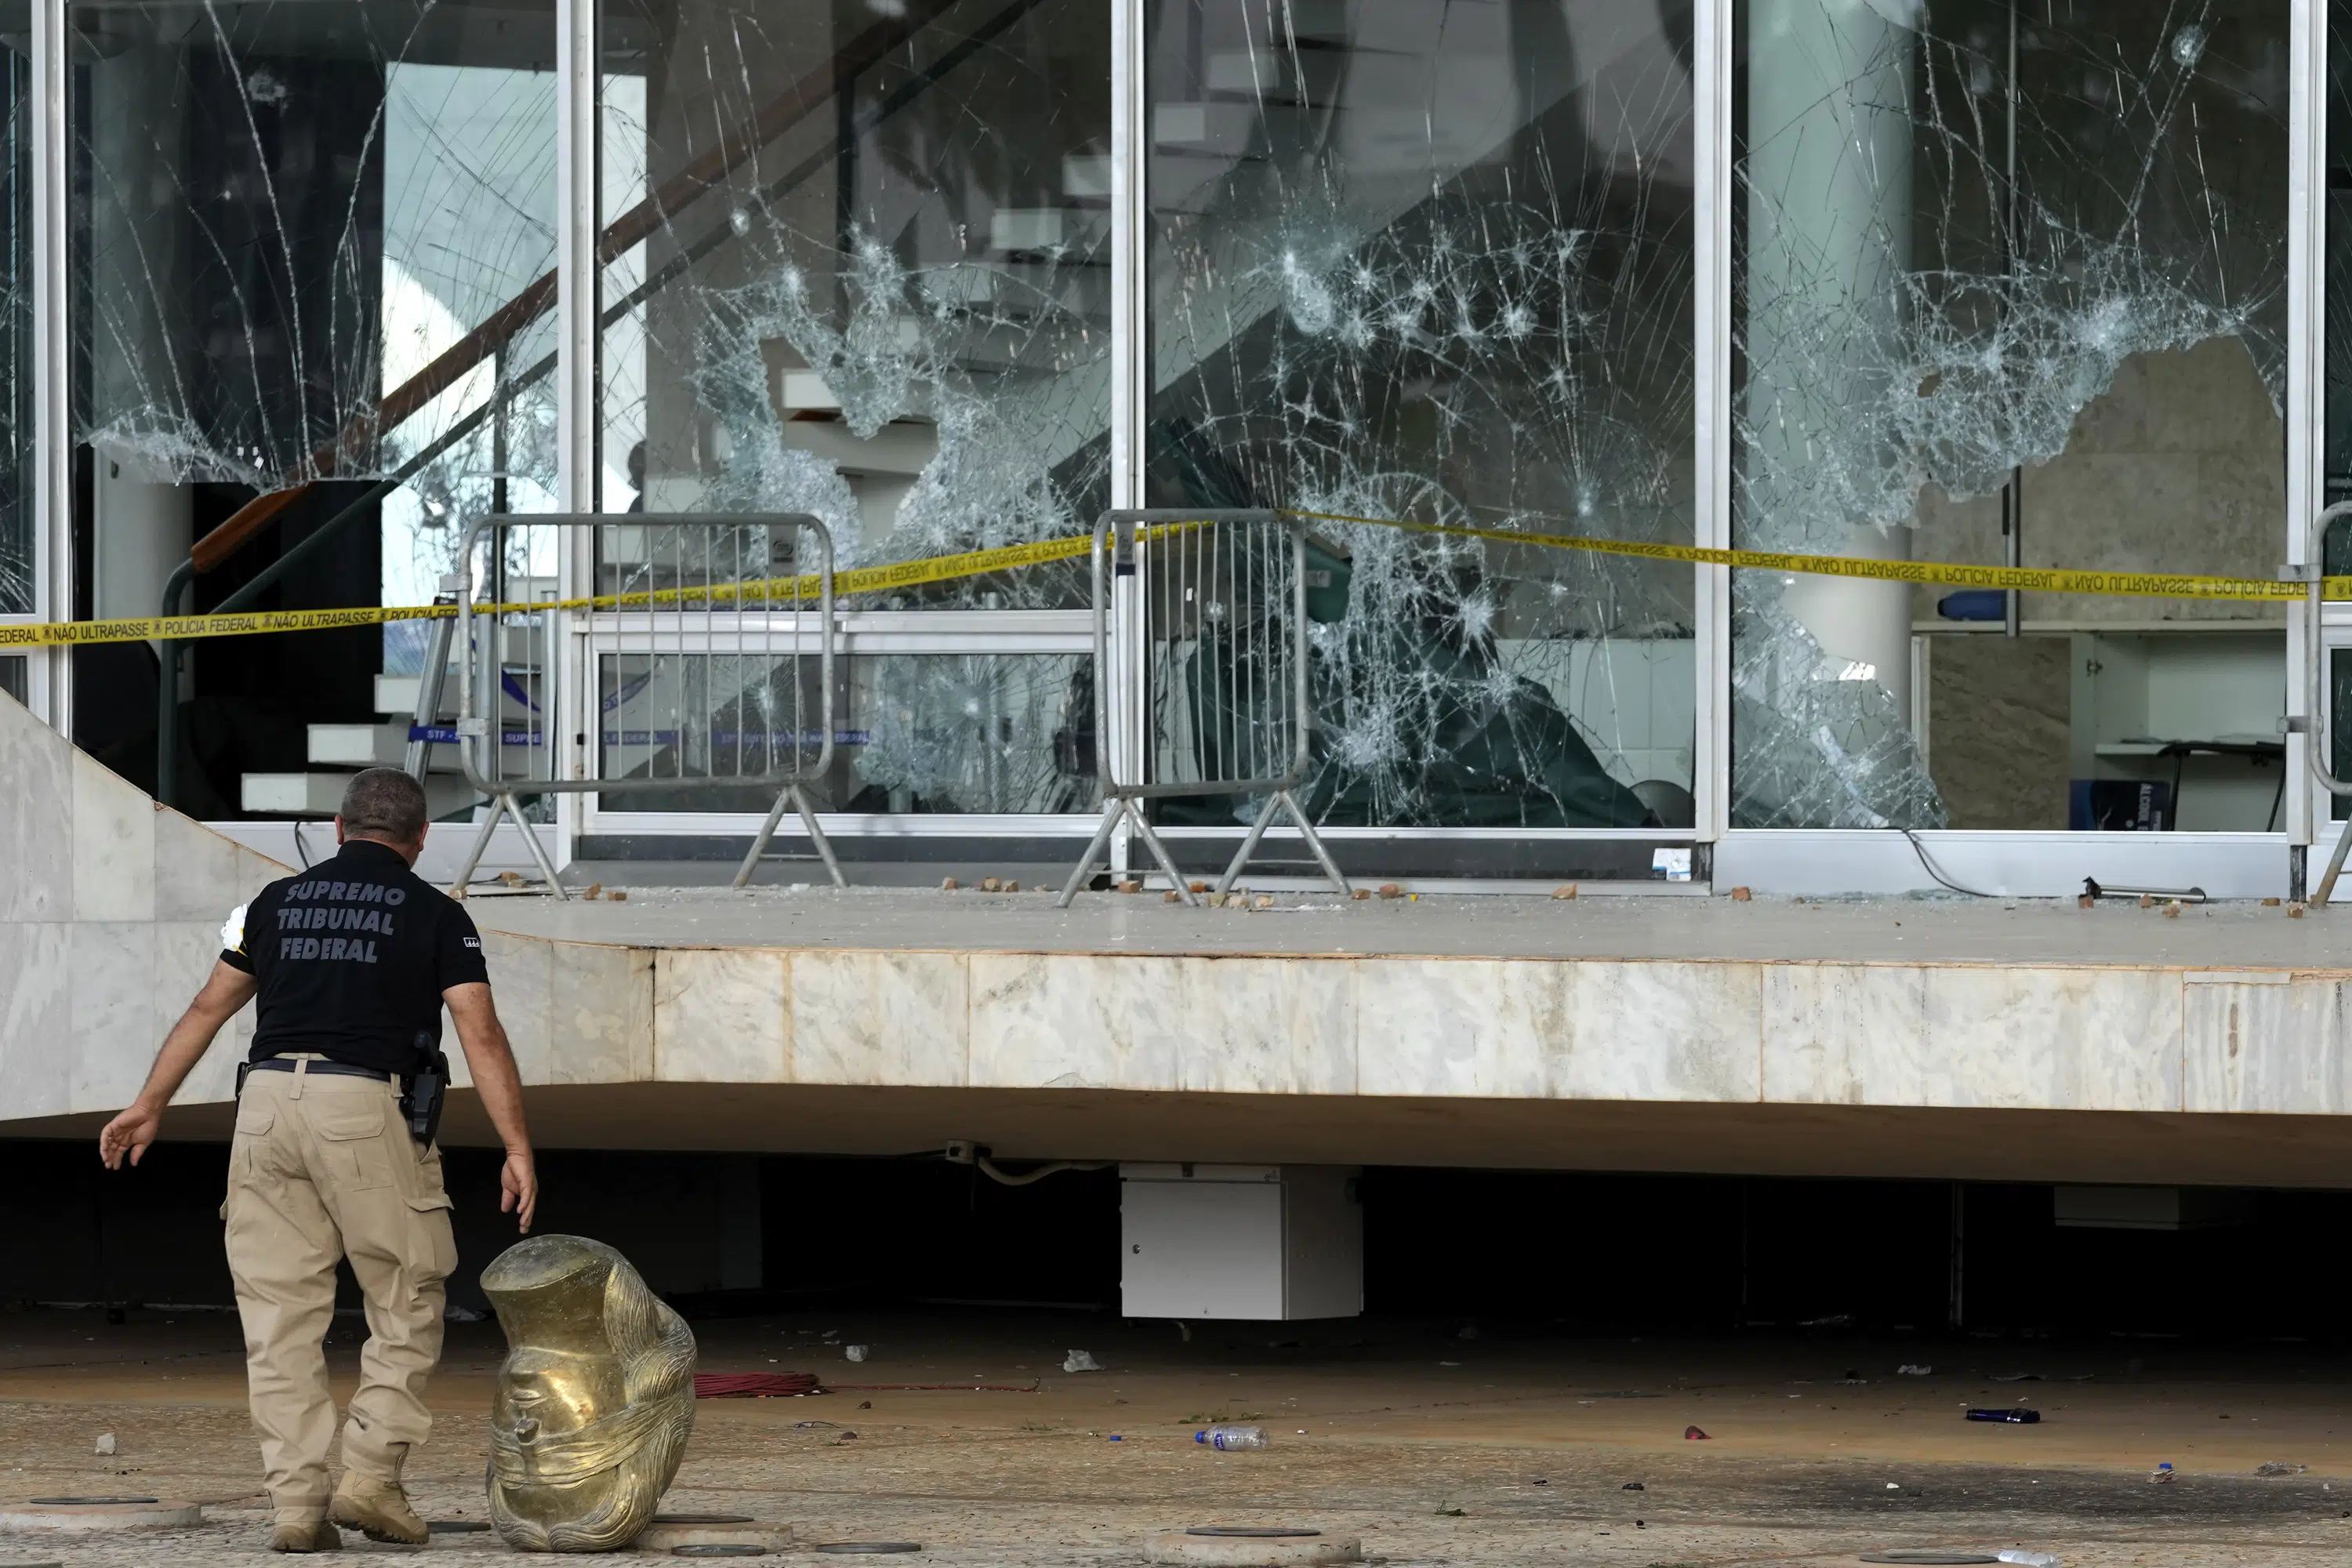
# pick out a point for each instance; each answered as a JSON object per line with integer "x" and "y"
{"x": 352, "y": 956}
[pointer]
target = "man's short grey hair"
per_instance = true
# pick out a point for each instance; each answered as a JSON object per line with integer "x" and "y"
{"x": 384, "y": 803}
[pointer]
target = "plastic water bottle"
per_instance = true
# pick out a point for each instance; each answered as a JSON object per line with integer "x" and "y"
{"x": 1231, "y": 1437}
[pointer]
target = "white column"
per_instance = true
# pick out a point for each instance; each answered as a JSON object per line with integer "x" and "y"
{"x": 53, "y": 564}
{"x": 1131, "y": 390}
{"x": 1829, "y": 236}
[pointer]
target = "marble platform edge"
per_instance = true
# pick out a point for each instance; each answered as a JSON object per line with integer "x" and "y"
{"x": 1409, "y": 955}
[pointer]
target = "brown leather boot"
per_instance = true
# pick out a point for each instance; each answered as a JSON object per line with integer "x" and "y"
{"x": 377, "y": 1510}
{"x": 315, "y": 1535}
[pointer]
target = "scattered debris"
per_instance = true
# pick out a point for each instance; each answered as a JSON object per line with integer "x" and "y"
{"x": 866, "y": 1404}
{"x": 1453, "y": 1513}
{"x": 1198, "y": 887}
{"x": 2017, "y": 1377}
{"x": 1693, "y": 1435}
{"x": 106, "y": 1443}
{"x": 855, "y": 1352}
{"x": 1263, "y": 901}
{"x": 1741, "y": 895}
{"x": 2173, "y": 911}
{"x": 1012, "y": 886}
{"x": 2016, "y": 1415}
{"x": 815, "y": 1426}
{"x": 1359, "y": 894}
{"x": 755, "y": 1384}
{"x": 1390, "y": 891}
{"x": 2267, "y": 1468}
{"x": 1171, "y": 897}
{"x": 2162, "y": 1472}
{"x": 1081, "y": 1360}
{"x": 1565, "y": 890}
{"x": 1911, "y": 1369}
{"x": 595, "y": 890}
{"x": 1129, "y": 885}
{"x": 2031, "y": 1559}
{"x": 991, "y": 885}
{"x": 1628, "y": 1487}
{"x": 1893, "y": 1487}
{"x": 947, "y": 884}
{"x": 2148, "y": 901}
{"x": 2295, "y": 911}
{"x": 1231, "y": 1438}
{"x": 618, "y": 895}
{"x": 2269, "y": 903}
{"x": 2084, "y": 901}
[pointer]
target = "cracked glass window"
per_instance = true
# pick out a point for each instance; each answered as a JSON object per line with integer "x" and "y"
{"x": 2010, "y": 287}
{"x": 1429, "y": 261}
{"x": 311, "y": 295}
{"x": 17, "y": 592}
{"x": 856, "y": 263}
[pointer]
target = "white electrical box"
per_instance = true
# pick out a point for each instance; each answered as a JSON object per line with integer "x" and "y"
{"x": 1240, "y": 1241}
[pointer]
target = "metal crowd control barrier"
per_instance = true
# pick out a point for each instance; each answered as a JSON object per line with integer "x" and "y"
{"x": 2314, "y": 730}
{"x": 1233, "y": 584}
{"x": 704, "y": 682}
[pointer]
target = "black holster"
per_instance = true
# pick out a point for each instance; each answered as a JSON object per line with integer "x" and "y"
{"x": 421, "y": 1094}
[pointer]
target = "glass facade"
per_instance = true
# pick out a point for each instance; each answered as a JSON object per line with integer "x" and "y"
{"x": 1414, "y": 260}
{"x": 1967, "y": 283}
{"x": 857, "y": 266}
{"x": 308, "y": 291}
{"x": 2012, "y": 290}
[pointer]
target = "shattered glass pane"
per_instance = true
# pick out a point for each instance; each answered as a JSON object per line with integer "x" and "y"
{"x": 858, "y": 266}
{"x": 313, "y": 250}
{"x": 16, "y": 366}
{"x": 1433, "y": 261}
{"x": 2011, "y": 277}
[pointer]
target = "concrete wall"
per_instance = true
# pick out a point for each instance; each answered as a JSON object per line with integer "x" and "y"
{"x": 111, "y": 909}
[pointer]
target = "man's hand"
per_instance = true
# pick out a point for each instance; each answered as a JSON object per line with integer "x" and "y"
{"x": 129, "y": 1133}
{"x": 501, "y": 1089}
{"x": 223, "y": 992}
{"x": 517, "y": 1188}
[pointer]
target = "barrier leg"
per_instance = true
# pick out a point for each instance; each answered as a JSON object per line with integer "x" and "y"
{"x": 1113, "y": 810}
{"x": 481, "y": 842}
{"x": 538, "y": 852}
{"x": 816, "y": 836}
{"x": 1314, "y": 841}
{"x": 1167, "y": 861}
{"x": 1249, "y": 844}
{"x": 2326, "y": 889}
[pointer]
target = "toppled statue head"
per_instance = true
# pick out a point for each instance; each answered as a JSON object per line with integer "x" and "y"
{"x": 593, "y": 1403}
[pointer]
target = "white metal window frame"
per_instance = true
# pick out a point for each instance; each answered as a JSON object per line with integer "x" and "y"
{"x": 2043, "y": 863}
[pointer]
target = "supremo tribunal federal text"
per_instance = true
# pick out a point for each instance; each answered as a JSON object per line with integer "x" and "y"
{"x": 328, "y": 916}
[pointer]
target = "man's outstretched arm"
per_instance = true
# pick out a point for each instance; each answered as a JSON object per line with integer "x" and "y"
{"x": 225, "y": 990}
{"x": 499, "y": 1085}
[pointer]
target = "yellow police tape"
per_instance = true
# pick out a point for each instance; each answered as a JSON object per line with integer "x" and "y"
{"x": 1013, "y": 557}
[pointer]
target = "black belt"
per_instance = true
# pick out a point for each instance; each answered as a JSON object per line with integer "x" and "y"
{"x": 332, "y": 1070}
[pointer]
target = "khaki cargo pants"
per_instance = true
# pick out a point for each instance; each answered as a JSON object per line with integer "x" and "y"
{"x": 322, "y": 1167}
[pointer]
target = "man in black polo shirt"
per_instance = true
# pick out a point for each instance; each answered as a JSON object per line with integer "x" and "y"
{"x": 352, "y": 961}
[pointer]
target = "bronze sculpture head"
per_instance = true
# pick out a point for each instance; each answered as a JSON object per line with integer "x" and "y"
{"x": 593, "y": 1403}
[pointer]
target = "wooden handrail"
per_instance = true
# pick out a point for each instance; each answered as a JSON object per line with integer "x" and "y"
{"x": 632, "y": 228}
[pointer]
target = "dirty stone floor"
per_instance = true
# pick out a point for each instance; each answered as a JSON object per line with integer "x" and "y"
{"x": 1512, "y": 1448}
